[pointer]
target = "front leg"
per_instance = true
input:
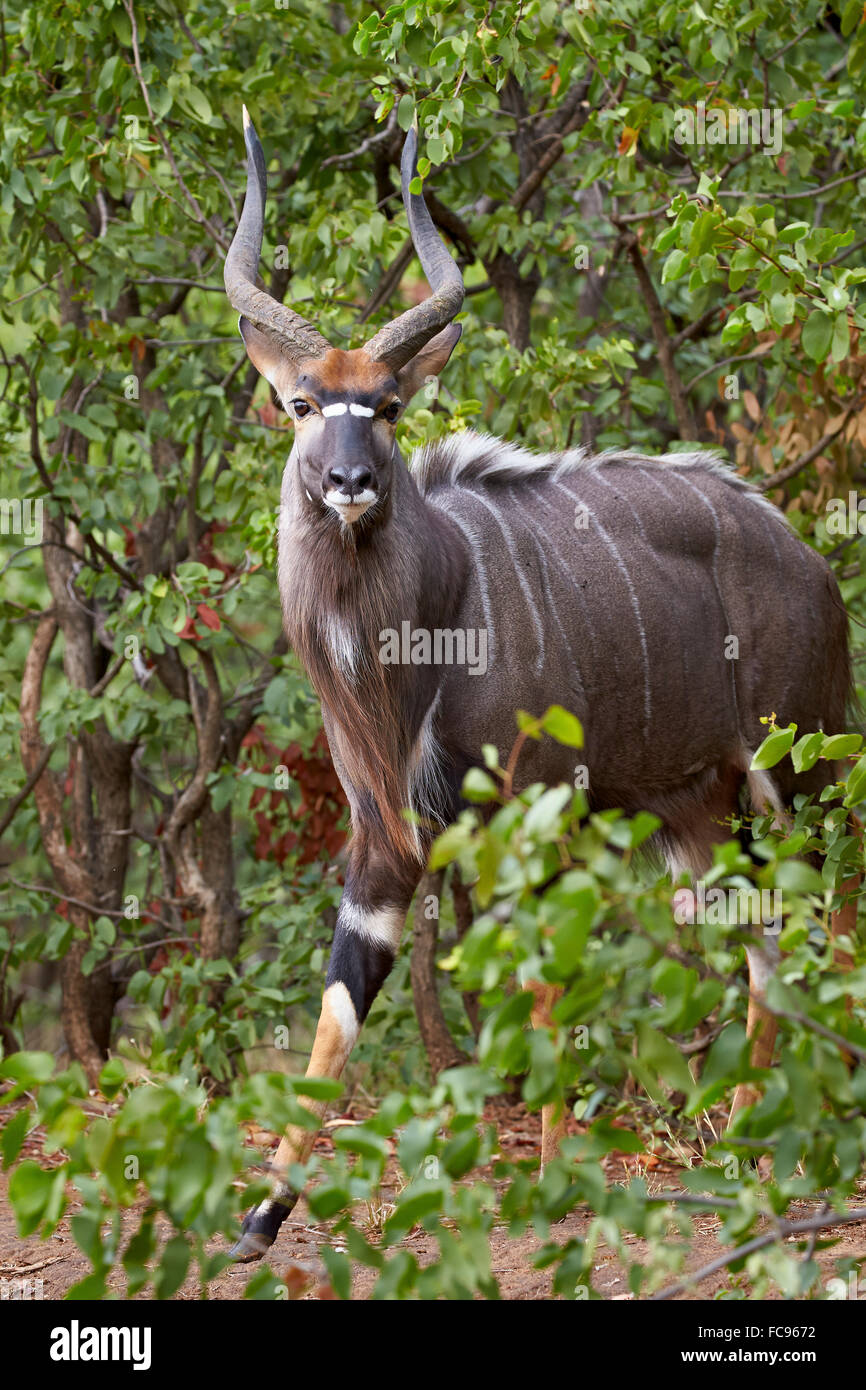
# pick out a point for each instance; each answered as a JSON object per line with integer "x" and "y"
{"x": 370, "y": 922}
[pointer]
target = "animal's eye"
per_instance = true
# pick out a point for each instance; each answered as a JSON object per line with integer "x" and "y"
{"x": 391, "y": 412}
{"x": 301, "y": 409}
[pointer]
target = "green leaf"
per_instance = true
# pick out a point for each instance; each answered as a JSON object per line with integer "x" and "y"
{"x": 264, "y": 1287}
{"x": 817, "y": 335}
{"x": 361, "y": 1139}
{"x": 450, "y": 844}
{"x": 806, "y": 751}
{"x": 478, "y": 785}
{"x": 676, "y": 265}
{"x": 339, "y": 1268}
{"x": 171, "y": 1270}
{"x": 841, "y": 745}
{"x": 406, "y": 111}
{"x": 543, "y": 815}
{"x": 841, "y": 338}
{"x": 327, "y": 1199}
{"x": 773, "y": 748}
{"x": 28, "y": 1068}
{"x": 794, "y": 231}
{"x": 12, "y": 1136}
{"x": 782, "y": 307}
{"x": 29, "y": 1191}
{"x": 414, "y": 1205}
{"x": 562, "y": 726}
{"x": 851, "y": 14}
{"x": 195, "y": 100}
{"x": 138, "y": 1252}
{"x": 657, "y": 1052}
{"x": 91, "y": 1289}
{"x": 528, "y": 724}
{"x": 112, "y": 1077}
{"x": 607, "y": 1136}
{"x": 637, "y": 61}
{"x": 855, "y": 786}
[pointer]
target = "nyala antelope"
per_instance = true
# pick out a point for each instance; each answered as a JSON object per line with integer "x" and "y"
{"x": 625, "y": 619}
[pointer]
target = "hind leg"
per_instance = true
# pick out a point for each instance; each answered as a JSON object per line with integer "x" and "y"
{"x": 553, "y": 1122}
{"x": 843, "y": 922}
{"x": 691, "y": 843}
{"x": 761, "y": 1026}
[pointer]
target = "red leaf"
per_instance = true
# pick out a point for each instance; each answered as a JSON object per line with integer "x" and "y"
{"x": 208, "y": 617}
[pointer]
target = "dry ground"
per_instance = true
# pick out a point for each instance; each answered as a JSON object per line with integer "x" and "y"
{"x": 296, "y": 1259}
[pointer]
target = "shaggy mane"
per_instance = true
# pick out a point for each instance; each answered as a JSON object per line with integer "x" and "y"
{"x": 468, "y": 458}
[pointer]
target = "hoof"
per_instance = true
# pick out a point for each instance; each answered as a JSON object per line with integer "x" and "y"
{"x": 251, "y": 1246}
{"x": 261, "y": 1226}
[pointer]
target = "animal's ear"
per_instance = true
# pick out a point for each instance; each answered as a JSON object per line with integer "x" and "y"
{"x": 428, "y": 363}
{"x": 268, "y": 357}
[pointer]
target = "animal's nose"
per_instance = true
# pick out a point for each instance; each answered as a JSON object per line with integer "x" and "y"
{"x": 351, "y": 478}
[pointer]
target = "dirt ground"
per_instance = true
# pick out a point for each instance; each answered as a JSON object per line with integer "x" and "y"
{"x": 295, "y": 1258}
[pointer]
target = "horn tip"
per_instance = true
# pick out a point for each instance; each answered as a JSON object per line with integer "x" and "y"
{"x": 409, "y": 160}
{"x": 247, "y": 121}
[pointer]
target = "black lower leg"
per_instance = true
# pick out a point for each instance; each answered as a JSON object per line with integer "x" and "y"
{"x": 261, "y": 1226}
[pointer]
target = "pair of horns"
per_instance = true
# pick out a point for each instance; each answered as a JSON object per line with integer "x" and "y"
{"x": 399, "y": 340}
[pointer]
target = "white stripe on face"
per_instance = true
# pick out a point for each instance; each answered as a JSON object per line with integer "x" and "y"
{"x": 340, "y": 408}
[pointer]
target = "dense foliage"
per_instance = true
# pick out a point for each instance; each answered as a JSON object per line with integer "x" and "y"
{"x": 170, "y": 845}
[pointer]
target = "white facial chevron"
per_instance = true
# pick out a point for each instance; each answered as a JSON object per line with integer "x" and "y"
{"x": 341, "y": 407}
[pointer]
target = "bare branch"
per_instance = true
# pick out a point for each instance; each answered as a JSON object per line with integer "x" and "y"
{"x": 166, "y": 148}
{"x": 783, "y": 1230}
{"x": 792, "y": 469}
{"x": 25, "y": 791}
{"x": 683, "y": 411}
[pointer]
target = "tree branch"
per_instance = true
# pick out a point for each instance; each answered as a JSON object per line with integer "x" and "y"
{"x": 682, "y": 410}
{"x": 783, "y": 1230}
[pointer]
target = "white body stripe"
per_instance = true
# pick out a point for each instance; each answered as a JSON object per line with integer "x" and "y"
{"x": 716, "y": 580}
{"x": 475, "y": 546}
{"x": 427, "y": 784}
{"x": 635, "y": 603}
{"x": 547, "y": 588}
{"x": 521, "y": 577}
{"x": 568, "y": 575}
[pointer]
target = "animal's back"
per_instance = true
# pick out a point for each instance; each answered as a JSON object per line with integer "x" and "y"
{"x": 663, "y": 600}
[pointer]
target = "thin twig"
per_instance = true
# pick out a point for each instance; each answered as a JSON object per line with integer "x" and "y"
{"x": 26, "y": 789}
{"x": 678, "y": 393}
{"x": 782, "y": 1231}
{"x": 792, "y": 469}
{"x": 166, "y": 147}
